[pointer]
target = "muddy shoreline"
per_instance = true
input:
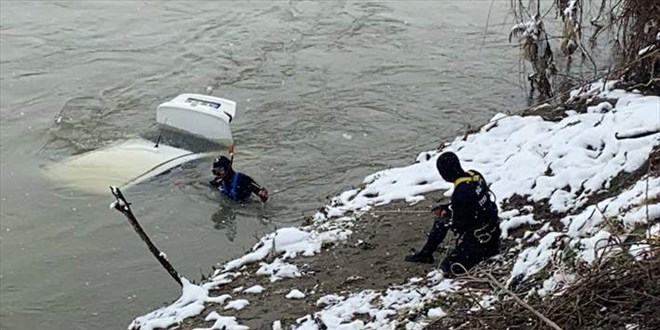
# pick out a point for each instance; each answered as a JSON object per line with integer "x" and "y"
{"x": 370, "y": 259}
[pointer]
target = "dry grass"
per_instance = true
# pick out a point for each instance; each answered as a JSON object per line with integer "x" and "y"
{"x": 617, "y": 292}
{"x": 639, "y": 24}
{"x": 632, "y": 24}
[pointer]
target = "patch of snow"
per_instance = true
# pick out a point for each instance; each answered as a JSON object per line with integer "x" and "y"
{"x": 531, "y": 260}
{"x": 583, "y": 230}
{"x": 639, "y": 251}
{"x": 191, "y": 303}
{"x": 237, "y": 304}
{"x": 415, "y": 280}
{"x": 509, "y": 214}
{"x": 381, "y": 307}
{"x": 436, "y": 313}
{"x": 630, "y": 133}
{"x": 328, "y": 300}
{"x": 259, "y": 252}
{"x": 254, "y": 289}
{"x": 516, "y": 222}
{"x": 220, "y": 279}
{"x": 278, "y": 270}
{"x": 295, "y": 294}
{"x": 571, "y": 9}
{"x": 222, "y": 323}
{"x": 602, "y": 107}
{"x": 354, "y": 278}
{"x": 219, "y": 299}
{"x": 554, "y": 283}
{"x": 290, "y": 242}
{"x": 645, "y": 50}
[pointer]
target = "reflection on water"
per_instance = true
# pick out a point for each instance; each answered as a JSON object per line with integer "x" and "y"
{"x": 225, "y": 219}
{"x": 229, "y": 212}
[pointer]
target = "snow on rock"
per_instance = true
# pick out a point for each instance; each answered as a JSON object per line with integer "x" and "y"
{"x": 436, "y": 313}
{"x": 259, "y": 252}
{"x": 292, "y": 241}
{"x": 220, "y": 278}
{"x": 328, "y": 300}
{"x": 254, "y": 289}
{"x": 516, "y": 222}
{"x": 277, "y": 325}
{"x": 278, "y": 270}
{"x": 219, "y": 299}
{"x": 237, "y": 304}
{"x": 222, "y": 323}
{"x": 295, "y": 294}
{"x": 602, "y": 107}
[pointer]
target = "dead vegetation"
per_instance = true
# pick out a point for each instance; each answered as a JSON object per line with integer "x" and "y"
{"x": 617, "y": 293}
{"x": 628, "y": 29}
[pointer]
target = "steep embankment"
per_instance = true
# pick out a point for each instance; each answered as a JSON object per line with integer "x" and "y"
{"x": 572, "y": 194}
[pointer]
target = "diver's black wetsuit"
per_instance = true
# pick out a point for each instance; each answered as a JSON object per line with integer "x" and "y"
{"x": 476, "y": 223}
{"x": 473, "y": 217}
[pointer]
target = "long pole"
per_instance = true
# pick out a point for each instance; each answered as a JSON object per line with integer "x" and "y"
{"x": 124, "y": 207}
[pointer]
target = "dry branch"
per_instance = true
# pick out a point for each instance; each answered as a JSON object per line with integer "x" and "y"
{"x": 515, "y": 297}
{"x": 124, "y": 207}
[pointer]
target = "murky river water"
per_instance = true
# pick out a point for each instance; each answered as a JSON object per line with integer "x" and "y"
{"x": 335, "y": 88}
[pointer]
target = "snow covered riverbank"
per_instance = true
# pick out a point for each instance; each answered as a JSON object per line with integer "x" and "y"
{"x": 562, "y": 168}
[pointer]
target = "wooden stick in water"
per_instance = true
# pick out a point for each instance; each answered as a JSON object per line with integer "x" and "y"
{"x": 124, "y": 207}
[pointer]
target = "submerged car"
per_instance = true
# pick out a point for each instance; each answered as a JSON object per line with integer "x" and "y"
{"x": 126, "y": 163}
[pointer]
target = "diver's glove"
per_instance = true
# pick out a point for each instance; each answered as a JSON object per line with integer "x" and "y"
{"x": 442, "y": 211}
{"x": 215, "y": 183}
{"x": 263, "y": 194}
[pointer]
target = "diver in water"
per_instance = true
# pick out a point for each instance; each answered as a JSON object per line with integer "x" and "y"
{"x": 235, "y": 185}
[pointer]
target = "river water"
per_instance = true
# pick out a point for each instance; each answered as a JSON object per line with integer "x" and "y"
{"x": 340, "y": 89}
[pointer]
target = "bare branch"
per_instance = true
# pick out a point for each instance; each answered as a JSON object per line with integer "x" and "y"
{"x": 124, "y": 207}
{"x": 522, "y": 303}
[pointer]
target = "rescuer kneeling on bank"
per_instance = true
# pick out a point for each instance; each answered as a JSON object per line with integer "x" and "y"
{"x": 472, "y": 215}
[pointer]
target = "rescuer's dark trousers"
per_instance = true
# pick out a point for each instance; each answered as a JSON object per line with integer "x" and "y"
{"x": 470, "y": 251}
